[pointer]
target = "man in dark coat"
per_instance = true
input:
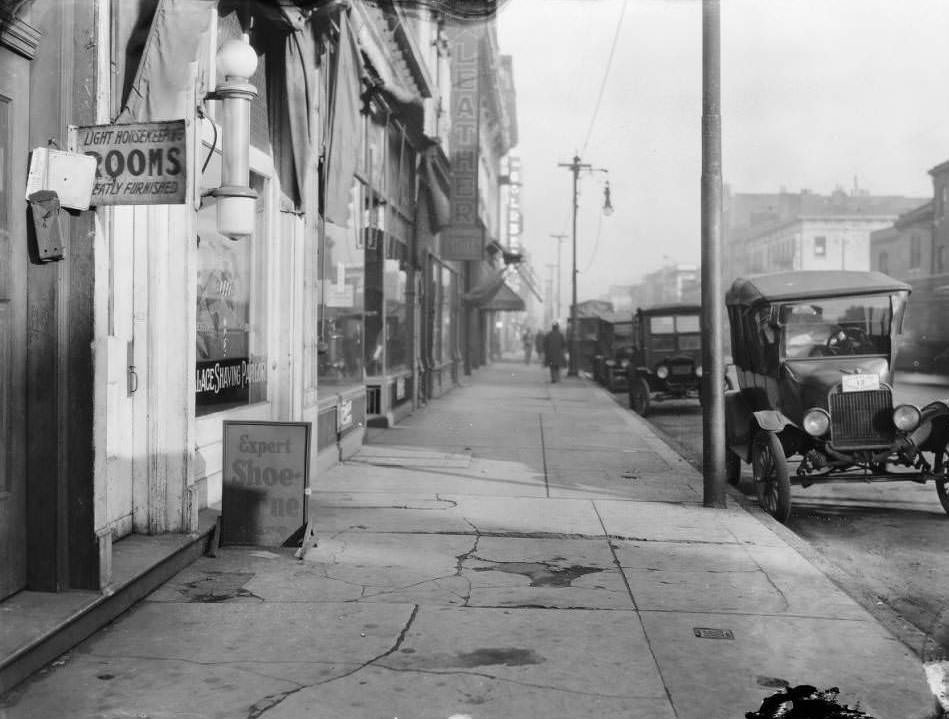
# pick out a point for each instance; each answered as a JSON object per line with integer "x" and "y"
{"x": 554, "y": 351}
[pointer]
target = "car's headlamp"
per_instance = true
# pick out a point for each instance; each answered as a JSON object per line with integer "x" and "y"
{"x": 816, "y": 422}
{"x": 906, "y": 417}
{"x": 662, "y": 371}
{"x": 698, "y": 370}
{"x": 624, "y": 363}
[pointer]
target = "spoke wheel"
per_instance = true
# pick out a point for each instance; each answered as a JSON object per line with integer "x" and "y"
{"x": 770, "y": 470}
{"x": 942, "y": 478}
{"x": 639, "y": 396}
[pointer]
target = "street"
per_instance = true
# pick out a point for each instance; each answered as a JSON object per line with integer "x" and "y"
{"x": 886, "y": 538}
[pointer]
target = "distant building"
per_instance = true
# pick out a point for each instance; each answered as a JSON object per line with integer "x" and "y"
{"x": 913, "y": 249}
{"x": 671, "y": 283}
{"x": 621, "y": 297}
{"x": 904, "y": 250}
{"x": 806, "y": 231}
{"x": 940, "y": 255}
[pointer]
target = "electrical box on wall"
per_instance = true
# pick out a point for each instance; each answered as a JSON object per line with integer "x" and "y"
{"x": 44, "y": 210}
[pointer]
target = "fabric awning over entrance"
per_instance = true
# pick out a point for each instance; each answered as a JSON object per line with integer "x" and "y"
{"x": 505, "y": 300}
{"x": 493, "y": 294}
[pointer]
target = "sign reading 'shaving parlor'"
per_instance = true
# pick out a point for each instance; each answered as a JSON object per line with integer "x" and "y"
{"x": 137, "y": 164}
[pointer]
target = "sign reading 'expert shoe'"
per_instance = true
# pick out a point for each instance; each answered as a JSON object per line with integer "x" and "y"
{"x": 141, "y": 163}
{"x": 265, "y": 481}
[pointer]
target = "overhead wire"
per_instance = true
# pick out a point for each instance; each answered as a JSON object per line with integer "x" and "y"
{"x": 606, "y": 74}
{"x": 596, "y": 243}
{"x": 596, "y": 111}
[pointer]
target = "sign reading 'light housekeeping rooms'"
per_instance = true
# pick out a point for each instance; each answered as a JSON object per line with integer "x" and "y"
{"x": 137, "y": 164}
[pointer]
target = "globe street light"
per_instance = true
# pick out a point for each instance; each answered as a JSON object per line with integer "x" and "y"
{"x": 575, "y": 167}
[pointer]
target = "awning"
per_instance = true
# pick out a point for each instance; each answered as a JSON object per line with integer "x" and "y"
{"x": 505, "y": 300}
{"x": 436, "y": 190}
{"x": 485, "y": 290}
{"x": 161, "y": 89}
{"x": 494, "y": 295}
{"x": 345, "y": 137}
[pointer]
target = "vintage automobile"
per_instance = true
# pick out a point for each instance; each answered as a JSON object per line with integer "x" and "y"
{"x": 814, "y": 354}
{"x": 614, "y": 348}
{"x": 666, "y": 355}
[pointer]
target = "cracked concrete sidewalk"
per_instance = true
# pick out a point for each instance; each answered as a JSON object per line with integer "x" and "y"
{"x": 514, "y": 549}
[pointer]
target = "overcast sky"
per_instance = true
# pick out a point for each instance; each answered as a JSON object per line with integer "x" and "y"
{"x": 815, "y": 93}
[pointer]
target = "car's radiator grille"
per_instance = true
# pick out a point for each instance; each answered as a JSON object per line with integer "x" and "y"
{"x": 861, "y": 419}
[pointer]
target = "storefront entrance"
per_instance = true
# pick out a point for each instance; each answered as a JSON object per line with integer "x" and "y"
{"x": 14, "y": 123}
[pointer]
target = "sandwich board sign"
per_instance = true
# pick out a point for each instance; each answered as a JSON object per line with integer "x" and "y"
{"x": 265, "y": 482}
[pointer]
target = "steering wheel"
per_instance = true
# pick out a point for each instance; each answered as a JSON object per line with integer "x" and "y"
{"x": 846, "y": 340}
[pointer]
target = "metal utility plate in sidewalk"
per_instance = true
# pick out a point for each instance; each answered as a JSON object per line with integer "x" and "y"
{"x": 383, "y": 456}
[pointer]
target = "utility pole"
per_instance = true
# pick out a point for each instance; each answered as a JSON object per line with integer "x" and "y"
{"x": 560, "y": 238}
{"x": 713, "y": 361}
{"x": 551, "y": 314}
{"x": 575, "y": 168}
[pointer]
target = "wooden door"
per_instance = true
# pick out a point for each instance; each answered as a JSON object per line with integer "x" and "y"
{"x": 14, "y": 124}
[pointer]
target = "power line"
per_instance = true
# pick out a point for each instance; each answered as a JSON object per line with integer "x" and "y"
{"x": 606, "y": 74}
{"x": 596, "y": 244}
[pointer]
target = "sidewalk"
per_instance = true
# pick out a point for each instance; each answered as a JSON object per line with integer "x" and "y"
{"x": 515, "y": 549}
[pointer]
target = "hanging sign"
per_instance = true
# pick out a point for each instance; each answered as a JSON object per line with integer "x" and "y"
{"x": 142, "y": 163}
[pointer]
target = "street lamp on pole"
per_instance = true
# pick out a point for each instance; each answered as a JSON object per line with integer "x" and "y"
{"x": 575, "y": 167}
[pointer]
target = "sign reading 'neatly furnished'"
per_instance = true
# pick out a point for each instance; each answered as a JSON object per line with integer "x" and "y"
{"x": 137, "y": 164}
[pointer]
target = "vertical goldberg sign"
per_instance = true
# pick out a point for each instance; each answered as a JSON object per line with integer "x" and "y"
{"x": 464, "y": 238}
{"x": 265, "y": 481}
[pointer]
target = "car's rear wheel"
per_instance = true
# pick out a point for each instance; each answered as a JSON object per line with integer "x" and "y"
{"x": 770, "y": 470}
{"x": 639, "y": 396}
{"x": 942, "y": 478}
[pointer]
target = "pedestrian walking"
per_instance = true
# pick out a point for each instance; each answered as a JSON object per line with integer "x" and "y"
{"x": 528, "y": 340}
{"x": 539, "y": 345}
{"x": 554, "y": 351}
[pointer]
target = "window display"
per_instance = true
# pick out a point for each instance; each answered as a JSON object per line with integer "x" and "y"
{"x": 448, "y": 305}
{"x": 341, "y": 290}
{"x": 231, "y": 322}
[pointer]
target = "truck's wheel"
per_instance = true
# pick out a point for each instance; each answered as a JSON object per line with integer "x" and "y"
{"x": 770, "y": 469}
{"x": 639, "y": 396}
{"x": 732, "y": 468}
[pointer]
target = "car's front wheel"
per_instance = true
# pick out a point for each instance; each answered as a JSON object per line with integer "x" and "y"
{"x": 941, "y": 470}
{"x": 639, "y": 396}
{"x": 770, "y": 471}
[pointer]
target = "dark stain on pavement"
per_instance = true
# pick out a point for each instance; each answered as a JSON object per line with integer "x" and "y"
{"x": 541, "y": 574}
{"x": 507, "y": 656}
{"x": 217, "y": 587}
{"x": 806, "y": 702}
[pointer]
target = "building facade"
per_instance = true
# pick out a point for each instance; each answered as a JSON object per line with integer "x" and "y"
{"x": 136, "y": 332}
{"x": 771, "y": 233}
{"x": 904, "y": 250}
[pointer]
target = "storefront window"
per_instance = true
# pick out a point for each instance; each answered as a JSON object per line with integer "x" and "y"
{"x": 341, "y": 289}
{"x": 231, "y": 321}
{"x": 397, "y": 328}
{"x": 447, "y": 293}
{"x": 435, "y": 350}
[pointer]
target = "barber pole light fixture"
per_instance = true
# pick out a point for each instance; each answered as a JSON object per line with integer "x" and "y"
{"x": 236, "y": 200}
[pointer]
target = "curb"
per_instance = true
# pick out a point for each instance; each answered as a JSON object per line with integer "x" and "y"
{"x": 909, "y": 635}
